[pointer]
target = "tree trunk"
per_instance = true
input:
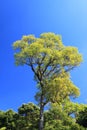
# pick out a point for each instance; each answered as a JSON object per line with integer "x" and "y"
{"x": 41, "y": 119}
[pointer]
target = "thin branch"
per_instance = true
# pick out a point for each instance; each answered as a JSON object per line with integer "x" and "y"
{"x": 69, "y": 69}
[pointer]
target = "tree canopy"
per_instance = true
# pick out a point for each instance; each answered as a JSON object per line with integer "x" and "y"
{"x": 50, "y": 61}
{"x": 56, "y": 118}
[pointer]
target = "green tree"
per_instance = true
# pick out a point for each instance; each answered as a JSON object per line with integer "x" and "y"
{"x": 51, "y": 62}
{"x": 29, "y": 116}
{"x": 7, "y": 120}
{"x": 59, "y": 117}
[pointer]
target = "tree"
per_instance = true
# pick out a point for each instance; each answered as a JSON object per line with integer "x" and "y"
{"x": 7, "y": 120}
{"x": 58, "y": 119}
{"x": 51, "y": 62}
{"x": 59, "y": 116}
{"x": 29, "y": 116}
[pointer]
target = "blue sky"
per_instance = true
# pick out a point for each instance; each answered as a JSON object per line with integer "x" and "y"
{"x": 22, "y": 17}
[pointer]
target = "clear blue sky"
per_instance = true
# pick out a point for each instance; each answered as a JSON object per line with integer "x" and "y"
{"x": 21, "y": 17}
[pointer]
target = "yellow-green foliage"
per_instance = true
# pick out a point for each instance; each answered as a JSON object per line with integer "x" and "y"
{"x": 49, "y": 45}
{"x": 51, "y": 62}
{"x": 61, "y": 87}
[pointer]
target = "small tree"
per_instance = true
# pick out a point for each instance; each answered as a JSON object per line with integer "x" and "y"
{"x": 29, "y": 115}
{"x": 51, "y": 62}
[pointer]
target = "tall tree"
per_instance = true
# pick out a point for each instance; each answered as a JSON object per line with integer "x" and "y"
{"x": 51, "y": 62}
